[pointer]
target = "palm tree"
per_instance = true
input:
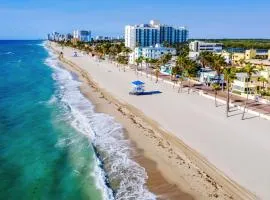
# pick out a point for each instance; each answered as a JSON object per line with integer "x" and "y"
{"x": 113, "y": 51}
{"x": 218, "y": 63}
{"x": 215, "y": 87}
{"x": 250, "y": 70}
{"x": 205, "y": 58}
{"x": 126, "y": 50}
{"x": 190, "y": 71}
{"x": 181, "y": 80}
{"x": 138, "y": 61}
{"x": 229, "y": 76}
{"x": 152, "y": 64}
{"x": 181, "y": 61}
{"x": 262, "y": 80}
{"x": 157, "y": 69}
{"x": 147, "y": 61}
{"x": 165, "y": 58}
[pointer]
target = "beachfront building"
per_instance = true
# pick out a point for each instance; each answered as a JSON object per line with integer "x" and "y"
{"x": 238, "y": 58}
{"x": 152, "y": 52}
{"x": 145, "y": 35}
{"x": 199, "y": 46}
{"x": 242, "y": 84}
{"x": 209, "y": 76}
{"x": 82, "y": 35}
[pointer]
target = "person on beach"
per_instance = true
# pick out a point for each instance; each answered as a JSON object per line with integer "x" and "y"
{"x": 61, "y": 55}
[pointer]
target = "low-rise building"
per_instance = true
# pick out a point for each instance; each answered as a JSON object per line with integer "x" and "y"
{"x": 193, "y": 55}
{"x": 242, "y": 84}
{"x": 199, "y": 46}
{"x": 209, "y": 76}
{"x": 238, "y": 58}
{"x": 226, "y": 55}
{"x": 250, "y": 54}
{"x": 150, "y": 52}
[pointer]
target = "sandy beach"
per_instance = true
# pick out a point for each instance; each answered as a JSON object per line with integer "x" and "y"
{"x": 187, "y": 145}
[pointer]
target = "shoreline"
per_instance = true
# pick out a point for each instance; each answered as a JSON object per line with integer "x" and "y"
{"x": 161, "y": 187}
{"x": 174, "y": 156}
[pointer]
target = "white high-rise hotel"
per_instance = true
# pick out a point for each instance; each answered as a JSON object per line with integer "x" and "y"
{"x": 154, "y": 33}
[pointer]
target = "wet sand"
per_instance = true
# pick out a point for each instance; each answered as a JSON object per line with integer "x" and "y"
{"x": 156, "y": 181}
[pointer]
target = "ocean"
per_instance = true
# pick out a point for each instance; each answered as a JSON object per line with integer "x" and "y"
{"x": 53, "y": 145}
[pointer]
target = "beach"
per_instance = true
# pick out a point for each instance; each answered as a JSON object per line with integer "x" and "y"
{"x": 191, "y": 143}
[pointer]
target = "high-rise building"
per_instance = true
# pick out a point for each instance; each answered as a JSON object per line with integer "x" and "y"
{"x": 82, "y": 35}
{"x": 153, "y": 33}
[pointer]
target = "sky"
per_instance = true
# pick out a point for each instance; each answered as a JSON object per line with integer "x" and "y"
{"x": 33, "y": 19}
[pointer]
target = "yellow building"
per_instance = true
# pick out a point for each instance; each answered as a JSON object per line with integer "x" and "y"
{"x": 269, "y": 54}
{"x": 238, "y": 58}
{"x": 250, "y": 54}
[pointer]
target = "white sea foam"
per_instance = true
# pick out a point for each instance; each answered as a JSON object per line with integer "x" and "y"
{"x": 108, "y": 138}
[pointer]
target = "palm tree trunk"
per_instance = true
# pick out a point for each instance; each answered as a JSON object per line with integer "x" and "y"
{"x": 147, "y": 70}
{"x": 228, "y": 99}
{"x": 180, "y": 86}
{"x": 157, "y": 76}
{"x": 188, "y": 85}
{"x": 216, "y": 98}
{"x": 243, "y": 115}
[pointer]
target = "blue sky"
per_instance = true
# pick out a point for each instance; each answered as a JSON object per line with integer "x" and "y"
{"x": 32, "y": 19}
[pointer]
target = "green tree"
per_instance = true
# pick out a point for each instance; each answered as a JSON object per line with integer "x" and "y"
{"x": 157, "y": 69}
{"x": 218, "y": 63}
{"x": 216, "y": 88}
{"x": 190, "y": 71}
{"x": 229, "y": 76}
{"x": 206, "y": 58}
{"x": 250, "y": 70}
{"x": 152, "y": 63}
{"x": 262, "y": 80}
{"x": 147, "y": 62}
{"x": 139, "y": 61}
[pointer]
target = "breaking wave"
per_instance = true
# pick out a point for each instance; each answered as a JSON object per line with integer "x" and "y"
{"x": 116, "y": 173}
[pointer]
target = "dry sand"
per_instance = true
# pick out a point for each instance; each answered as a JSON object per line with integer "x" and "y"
{"x": 238, "y": 148}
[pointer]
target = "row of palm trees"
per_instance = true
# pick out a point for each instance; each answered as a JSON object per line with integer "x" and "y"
{"x": 217, "y": 62}
{"x": 116, "y": 51}
{"x": 152, "y": 63}
{"x": 185, "y": 68}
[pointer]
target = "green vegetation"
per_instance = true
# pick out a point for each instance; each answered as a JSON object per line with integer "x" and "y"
{"x": 229, "y": 76}
{"x": 242, "y": 43}
{"x": 250, "y": 70}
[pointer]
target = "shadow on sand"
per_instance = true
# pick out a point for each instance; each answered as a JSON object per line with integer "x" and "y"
{"x": 146, "y": 93}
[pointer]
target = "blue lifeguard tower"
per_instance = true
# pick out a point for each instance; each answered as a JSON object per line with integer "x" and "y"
{"x": 138, "y": 88}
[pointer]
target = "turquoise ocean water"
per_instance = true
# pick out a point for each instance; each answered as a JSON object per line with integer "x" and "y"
{"x": 52, "y": 143}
